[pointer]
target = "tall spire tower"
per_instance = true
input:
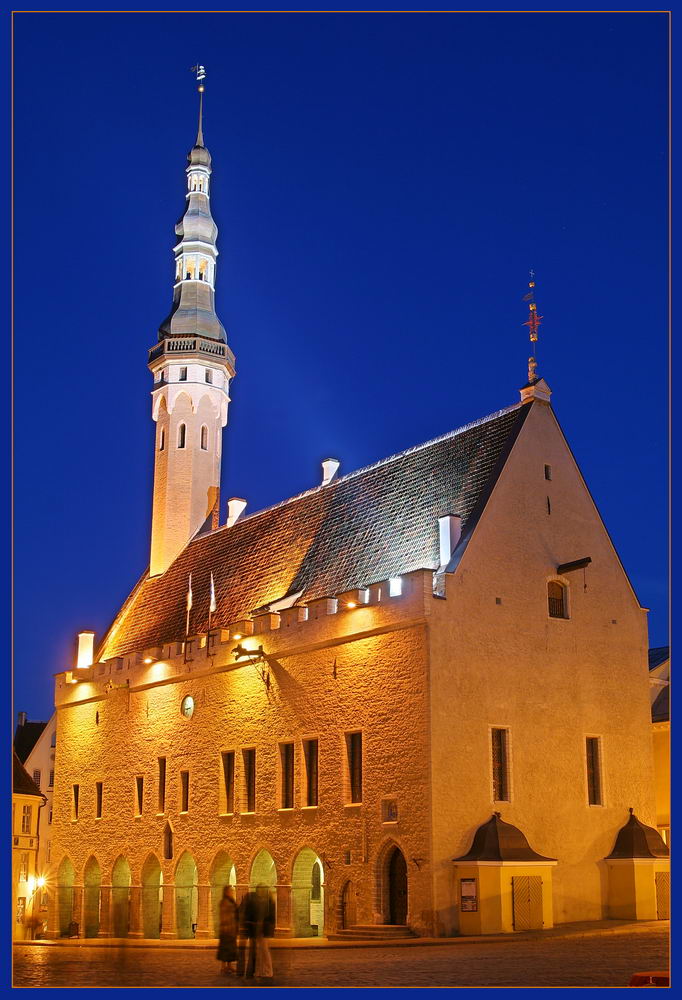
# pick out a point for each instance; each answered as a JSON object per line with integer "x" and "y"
{"x": 192, "y": 366}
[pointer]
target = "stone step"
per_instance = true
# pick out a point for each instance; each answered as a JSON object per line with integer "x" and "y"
{"x": 376, "y": 932}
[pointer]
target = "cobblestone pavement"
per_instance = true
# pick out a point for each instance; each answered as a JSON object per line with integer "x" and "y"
{"x": 598, "y": 959}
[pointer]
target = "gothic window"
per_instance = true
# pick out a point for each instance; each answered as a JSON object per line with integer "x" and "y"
{"x": 203, "y": 268}
{"x": 204, "y": 437}
{"x": 189, "y": 270}
{"x": 557, "y": 599}
{"x": 182, "y": 433}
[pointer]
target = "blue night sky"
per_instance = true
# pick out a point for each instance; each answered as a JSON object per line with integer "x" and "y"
{"x": 382, "y": 184}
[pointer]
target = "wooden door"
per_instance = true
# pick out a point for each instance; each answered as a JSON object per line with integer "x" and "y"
{"x": 663, "y": 895}
{"x": 397, "y": 888}
{"x": 527, "y": 902}
{"x": 348, "y": 908}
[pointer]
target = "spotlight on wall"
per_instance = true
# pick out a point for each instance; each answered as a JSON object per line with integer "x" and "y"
{"x": 149, "y": 659}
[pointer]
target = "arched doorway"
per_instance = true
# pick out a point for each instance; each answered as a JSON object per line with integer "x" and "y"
{"x": 349, "y": 915}
{"x": 307, "y": 895}
{"x": 120, "y": 897}
{"x": 397, "y": 887}
{"x": 152, "y": 894}
{"x": 66, "y": 876}
{"x": 92, "y": 881}
{"x": 223, "y": 872}
{"x": 186, "y": 896}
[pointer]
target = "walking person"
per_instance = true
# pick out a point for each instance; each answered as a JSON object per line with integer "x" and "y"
{"x": 229, "y": 926}
{"x": 248, "y": 921}
{"x": 265, "y": 929}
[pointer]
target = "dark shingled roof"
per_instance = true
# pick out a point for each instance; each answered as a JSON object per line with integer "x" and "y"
{"x": 498, "y": 841}
{"x": 660, "y": 710}
{"x": 635, "y": 840}
{"x": 22, "y": 783}
{"x": 26, "y": 738}
{"x": 658, "y": 655}
{"x": 367, "y": 526}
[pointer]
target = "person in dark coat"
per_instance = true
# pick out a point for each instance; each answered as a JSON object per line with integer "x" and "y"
{"x": 229, "y": 925}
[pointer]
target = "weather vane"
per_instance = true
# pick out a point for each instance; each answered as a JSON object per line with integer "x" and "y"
{"x": 533, "y": 322}
{"x": 201, "y": 75}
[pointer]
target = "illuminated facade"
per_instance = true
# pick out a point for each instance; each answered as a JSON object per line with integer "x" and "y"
{"x": 413, "y": 699}
{"x": 27, "y": 884}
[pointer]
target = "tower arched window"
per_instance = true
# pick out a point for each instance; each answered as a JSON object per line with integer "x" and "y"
{"x": 162, "y": 439}
{"x": 203, "y": 269}
{"x": 557, "y": 599}
{"x": 204, "y": 437}
{"x": 182, "y": 434}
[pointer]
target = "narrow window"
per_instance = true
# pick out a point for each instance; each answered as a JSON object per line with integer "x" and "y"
{"x": 310, "y": 753}
{"x": 228, "y": 781}
{"x": 36, "y": 778}
{"x": 249, "y": 757}
{"x": 316, "y": 890}
{"x": 208, "y": 375}
{"x": 395, "y": 586}
{"x": 354, "y": 759}
{"x": 184, "y": 791}
{"x": 161, "y": 801}
{"x": 98, "y": 799}
{"x": 592, "y": 748}
{"x": 204, "y": 437}
{"x": 51, "y": 785}
{"x": 49, "y": 818}
{"x": 183, "y": 375}
{"x": 74, "y": 801}
{"x": 548, "y": 472}
{"x": 168, "y": 841}
{"x": 286, "y": 751}
{"x": 53, "y": 741}
{"x": 549, "y": 506}
{"x": 139, "y": 794}
{"x": 23, "y": 868}
{"x": 182, "y": 432}
{"x": 500, "y": 760}
{"x": 162, "y": 439}
{"x": 556, "y": 599}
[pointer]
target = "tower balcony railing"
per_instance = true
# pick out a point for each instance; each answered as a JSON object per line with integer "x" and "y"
{"x": 192, "y": 345}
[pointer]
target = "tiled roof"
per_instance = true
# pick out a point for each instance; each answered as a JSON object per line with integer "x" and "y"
{"x": 372, "y": 524}
{"x": 26, "y": 738}
{"x": 660, "y": 710}
{"x": 22, "y": 783}
{"x": 658, "y": 655}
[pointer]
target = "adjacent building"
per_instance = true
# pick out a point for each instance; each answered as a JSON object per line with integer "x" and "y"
{"x": 659, "y": 679}
{"x": 27, "y": 882}
{"x": 413, "y": 697}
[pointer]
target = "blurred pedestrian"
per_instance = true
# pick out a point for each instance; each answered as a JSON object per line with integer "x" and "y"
{"x": 265, "y": 928}
{"x": 229, "y": 926}
{"x": 246, "y": 961}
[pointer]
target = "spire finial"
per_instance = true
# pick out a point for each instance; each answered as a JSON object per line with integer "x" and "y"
{"x": 533, "y": 322}
{"x": 201, "y": 74}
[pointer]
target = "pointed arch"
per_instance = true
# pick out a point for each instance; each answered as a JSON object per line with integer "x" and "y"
{"x": 92, "y": 883}
{"x": 222, "y": 872}
{"x": 391, "y": 887}
{"x": 307, "y": 894}
{"x": 66, "y": 876}
{"x": 160, "y": 406}
{"x": 152, "y": 895}
{"x": 121, "y": 880}
{"x": 186, "y": 895}
{"x": 263, "y": 870}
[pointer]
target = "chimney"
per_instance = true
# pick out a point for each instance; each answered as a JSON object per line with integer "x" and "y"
{"x": 22, "y": 719}
{"x": 235, "y": 508}
{"x": 330, "y": 467}
{"x": 86, "y": 648}
{"x": 449, "y": 532}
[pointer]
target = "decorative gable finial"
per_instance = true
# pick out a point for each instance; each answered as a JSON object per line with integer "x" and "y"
{"x": 201, "y": 75}
{"x": 533, "y": 322}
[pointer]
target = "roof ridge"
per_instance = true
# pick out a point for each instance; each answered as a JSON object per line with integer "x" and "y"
{"x": 365, "y": 468}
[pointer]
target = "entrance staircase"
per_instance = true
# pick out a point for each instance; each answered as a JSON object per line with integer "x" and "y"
{"x": 371, "y": 932}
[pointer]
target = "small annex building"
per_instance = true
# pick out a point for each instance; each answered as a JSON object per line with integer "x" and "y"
{"x": 332, "y": 696}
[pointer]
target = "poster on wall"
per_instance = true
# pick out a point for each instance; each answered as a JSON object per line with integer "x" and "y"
{"x": 468, "y": 890}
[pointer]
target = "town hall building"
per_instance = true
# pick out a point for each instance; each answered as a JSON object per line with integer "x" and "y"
{"x": 413, "y": 699}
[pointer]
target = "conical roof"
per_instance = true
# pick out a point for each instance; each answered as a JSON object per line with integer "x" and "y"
{"x": 499, "y": 841}
{"x": 635, "y": 840}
